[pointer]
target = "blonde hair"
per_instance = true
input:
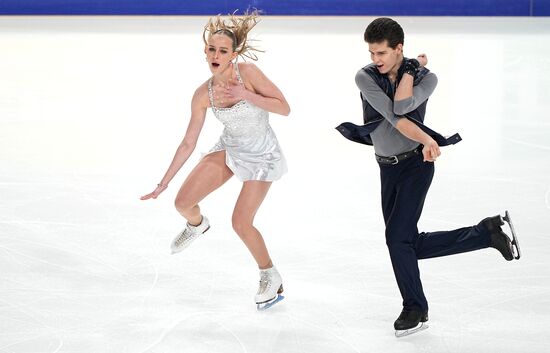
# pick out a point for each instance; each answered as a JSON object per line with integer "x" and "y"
{"x": 237, "y": 29}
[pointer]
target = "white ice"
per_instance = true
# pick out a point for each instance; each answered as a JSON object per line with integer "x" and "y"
{"x": 93, "y": 108}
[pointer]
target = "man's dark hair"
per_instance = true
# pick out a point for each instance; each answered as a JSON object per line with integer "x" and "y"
{"x": 382, "y": 29}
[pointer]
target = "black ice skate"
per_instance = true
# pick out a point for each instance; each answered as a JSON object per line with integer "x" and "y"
{"x": 409, "y": 322}
{"x": 499, "y": 240}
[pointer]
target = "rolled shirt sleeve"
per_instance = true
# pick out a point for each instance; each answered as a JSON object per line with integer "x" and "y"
{"x": 421, "y": 92}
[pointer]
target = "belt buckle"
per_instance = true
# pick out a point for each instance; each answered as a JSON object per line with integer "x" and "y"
{"x": 394, "y": 160}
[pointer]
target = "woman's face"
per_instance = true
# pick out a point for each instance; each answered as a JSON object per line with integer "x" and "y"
{"x": 219, "y": 52}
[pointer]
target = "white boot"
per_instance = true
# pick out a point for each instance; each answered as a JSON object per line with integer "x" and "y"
{"x": 271, "y": 285}
{"x": 190, "y": 233}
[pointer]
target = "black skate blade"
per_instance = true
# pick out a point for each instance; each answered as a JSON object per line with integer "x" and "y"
{"x": 516, "y": 252}
{"x": 420, "y": 327}
{"x": 269, "y": 304}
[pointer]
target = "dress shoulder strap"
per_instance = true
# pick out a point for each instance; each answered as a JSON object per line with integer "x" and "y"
{"x": 238, "y": 72}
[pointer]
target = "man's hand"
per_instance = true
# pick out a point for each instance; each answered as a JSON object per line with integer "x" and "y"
{"x": 431, "y": 151}
{"x": 422, "y": 59}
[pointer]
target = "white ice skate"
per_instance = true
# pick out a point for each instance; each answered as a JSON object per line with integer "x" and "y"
{"x": 271, "y": 286}
{"x": 188, "y": 235}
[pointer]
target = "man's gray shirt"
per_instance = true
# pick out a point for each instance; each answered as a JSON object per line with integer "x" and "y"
{"x": 387, "y": 140}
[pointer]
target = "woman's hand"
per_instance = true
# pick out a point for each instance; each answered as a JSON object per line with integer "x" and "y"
{"x": 235, "y": 90}
{"x": 160, "y": 188}
{"x": 220, "y": 94}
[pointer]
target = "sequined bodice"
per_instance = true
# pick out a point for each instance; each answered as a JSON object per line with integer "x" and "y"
{"x": 252, "y": 151}
{"x": 243, "y": 119}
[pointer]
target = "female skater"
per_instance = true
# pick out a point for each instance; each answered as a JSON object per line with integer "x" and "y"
{"x": 241, "y": 97}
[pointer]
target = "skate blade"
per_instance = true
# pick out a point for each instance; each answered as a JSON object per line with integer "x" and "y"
{"x": 516, "y": 252}
{"x": 402, "y": 333}
{"x": 269, "y": 304}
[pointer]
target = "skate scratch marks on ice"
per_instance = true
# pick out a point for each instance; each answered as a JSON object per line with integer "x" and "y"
{"x": 70, "y": 252}
{"x": 21, "y": 308}
{"x": 155, "y": 280}
{"x": 59, "y": 347}
{"x": 37, "y": 259}
{"x": 186, "y": 318}
{"x": 519, "y": 142}
{"x": 31, "y": 225}
{"x": 507, "y": 300}
{"x": 32, "y": 339}
{"x": 25, "y": 222}
{"x": 233, "y": 334}
{"x": 321, "y": 329}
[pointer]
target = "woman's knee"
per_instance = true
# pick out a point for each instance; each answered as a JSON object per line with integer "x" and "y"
{"x": 183, "y": 204}
{"x": 241, "y": 225}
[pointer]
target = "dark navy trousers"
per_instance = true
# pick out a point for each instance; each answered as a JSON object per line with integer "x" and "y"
{"x": 404, "y": 189}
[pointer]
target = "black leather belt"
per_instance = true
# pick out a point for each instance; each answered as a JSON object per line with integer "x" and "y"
{"x": 400, "y": 157}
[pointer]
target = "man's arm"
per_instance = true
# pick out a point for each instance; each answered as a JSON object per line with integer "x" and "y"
{"x": 408, "y": 98}
{"x": 383, "y": 104}
{"x": 412, "y": 131}
{"x": 375, "y": 96}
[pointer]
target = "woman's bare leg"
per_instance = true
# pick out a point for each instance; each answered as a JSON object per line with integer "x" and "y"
{"x": 207, "y": 176}
{"x": 249, "y": 201}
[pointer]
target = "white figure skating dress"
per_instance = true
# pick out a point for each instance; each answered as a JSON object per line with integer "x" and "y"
{"x": 252, "y": 151}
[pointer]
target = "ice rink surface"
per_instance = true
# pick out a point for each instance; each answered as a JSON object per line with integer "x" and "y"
{"x": 93, "y": 108}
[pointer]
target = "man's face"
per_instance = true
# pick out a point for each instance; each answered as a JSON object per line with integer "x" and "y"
{"x": 385, "y": 58}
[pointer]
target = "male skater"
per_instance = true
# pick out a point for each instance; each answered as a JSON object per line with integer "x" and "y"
{"x": 394, "y": 91}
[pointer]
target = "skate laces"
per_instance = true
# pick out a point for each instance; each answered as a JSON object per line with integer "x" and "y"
{"x": 265, "y": 281}
{"x": 184, "y": 235}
